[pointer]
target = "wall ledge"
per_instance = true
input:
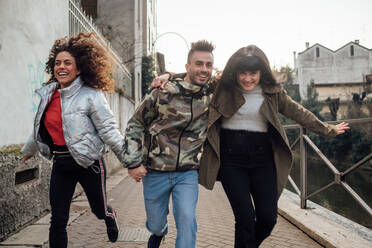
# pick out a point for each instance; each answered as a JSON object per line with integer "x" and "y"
{"x": 324, "y": 226}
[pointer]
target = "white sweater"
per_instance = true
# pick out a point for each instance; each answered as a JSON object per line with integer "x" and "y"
{"x": 248, "y": 116}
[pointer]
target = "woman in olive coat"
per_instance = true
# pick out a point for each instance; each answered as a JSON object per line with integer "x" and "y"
{"x": 246, "y": 145}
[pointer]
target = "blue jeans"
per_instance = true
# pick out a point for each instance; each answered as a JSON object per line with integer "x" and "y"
{"x": 157, "y": 188}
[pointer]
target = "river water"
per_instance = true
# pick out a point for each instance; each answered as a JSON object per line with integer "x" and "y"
{"x": 336, "y": 198}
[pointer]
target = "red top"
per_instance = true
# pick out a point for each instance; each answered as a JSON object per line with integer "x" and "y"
{"x": 53, "y": 120}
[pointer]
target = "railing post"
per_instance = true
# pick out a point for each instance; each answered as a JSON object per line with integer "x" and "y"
{"x": 303, "y": 168}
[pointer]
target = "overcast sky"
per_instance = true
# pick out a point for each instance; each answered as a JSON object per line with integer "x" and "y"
{"x": 278, "y": 27}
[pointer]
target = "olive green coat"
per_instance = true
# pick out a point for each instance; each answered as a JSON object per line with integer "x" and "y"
{"x": 226, "y": 102}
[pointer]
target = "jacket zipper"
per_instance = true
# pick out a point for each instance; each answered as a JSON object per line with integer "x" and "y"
{"x": 148, "y": 151}
{"x": 183, "y": 130}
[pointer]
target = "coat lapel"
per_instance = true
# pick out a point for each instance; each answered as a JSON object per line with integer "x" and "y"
{"x": 269, "y": 111}
{"x": 212, "y": 134}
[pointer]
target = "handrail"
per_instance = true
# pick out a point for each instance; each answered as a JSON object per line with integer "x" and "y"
{"x": 339, "y": 177}
{"x": 350, "y": 121}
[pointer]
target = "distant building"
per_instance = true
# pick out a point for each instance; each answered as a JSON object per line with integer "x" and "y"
{"x": 336, "y": 74}
{"x": 131, "y": 28}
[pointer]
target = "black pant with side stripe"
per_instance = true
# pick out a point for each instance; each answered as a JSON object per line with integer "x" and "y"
{"x": 66, "y": 173}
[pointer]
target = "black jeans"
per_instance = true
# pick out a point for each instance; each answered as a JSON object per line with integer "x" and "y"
{"x": 248, "y": 174}
{"x": 66, "y": 173}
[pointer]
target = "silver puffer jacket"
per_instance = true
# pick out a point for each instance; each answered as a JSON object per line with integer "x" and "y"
{"x": 87, "y": 123}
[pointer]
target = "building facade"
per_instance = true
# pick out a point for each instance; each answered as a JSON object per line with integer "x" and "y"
{"x": 131, "y": 27}
{"x": 336, "y": 74}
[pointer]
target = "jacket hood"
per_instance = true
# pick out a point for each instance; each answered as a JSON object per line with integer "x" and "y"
{"x": 178, "y": 85}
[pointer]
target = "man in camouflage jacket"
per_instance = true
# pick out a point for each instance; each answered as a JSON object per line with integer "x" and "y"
{"x": 163, "y": 146}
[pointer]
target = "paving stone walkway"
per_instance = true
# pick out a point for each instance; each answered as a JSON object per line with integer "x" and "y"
{"x": 214, "y": 215}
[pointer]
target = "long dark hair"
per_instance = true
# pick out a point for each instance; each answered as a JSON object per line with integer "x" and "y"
{"x": 249, "y": 58}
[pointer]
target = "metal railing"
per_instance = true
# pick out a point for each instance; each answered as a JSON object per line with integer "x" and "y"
{"x": 339, "y": 176}
{"x": 80, "y": 22}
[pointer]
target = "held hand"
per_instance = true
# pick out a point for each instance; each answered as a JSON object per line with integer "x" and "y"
{"x": 137, "y": 173}
{"x": 160, "y": 81}
{"x": 342, "y": 127}
{"x": 26, "y": 157}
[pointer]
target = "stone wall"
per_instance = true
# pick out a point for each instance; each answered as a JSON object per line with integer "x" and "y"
{"x": 25, "y": 202}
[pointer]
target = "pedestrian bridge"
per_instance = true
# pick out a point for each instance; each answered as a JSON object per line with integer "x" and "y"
{"x": 301, "y": 223}
{"x": 296, "y": 227}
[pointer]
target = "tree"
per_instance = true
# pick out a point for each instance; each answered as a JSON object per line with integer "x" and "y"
{"x": 285, "y": 76}
{"x": 333, "y": 105}
{"x": 148, "y": 69}
{"x": 292, "y": 89}
{"x": 288, "y": 72}
{"x": 312, "y": 103}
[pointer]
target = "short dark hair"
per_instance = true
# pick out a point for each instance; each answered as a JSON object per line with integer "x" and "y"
{"x": 201, "y": 45}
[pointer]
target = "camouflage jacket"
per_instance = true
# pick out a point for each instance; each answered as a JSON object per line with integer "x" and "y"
{"x": 167, "y": 130}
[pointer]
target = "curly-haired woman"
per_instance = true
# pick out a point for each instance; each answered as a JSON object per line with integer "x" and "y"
{"x": 72, "y": 125}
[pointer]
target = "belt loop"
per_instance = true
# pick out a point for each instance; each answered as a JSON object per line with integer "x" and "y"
{"x": 95, "y": 168}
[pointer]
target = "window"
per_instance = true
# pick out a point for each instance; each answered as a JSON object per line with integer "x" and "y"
{"x": 317, "y": 52}
{"x": 351, "y": 50}
{"x": 90, "y": 7}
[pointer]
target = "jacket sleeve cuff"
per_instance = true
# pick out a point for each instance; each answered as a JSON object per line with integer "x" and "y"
{"x": 30, "y": 147}
{"x": 132, "y": 166}
{"x": 171, "y": 75}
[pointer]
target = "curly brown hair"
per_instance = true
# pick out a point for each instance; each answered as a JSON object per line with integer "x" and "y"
{"x": 92, "y": 60}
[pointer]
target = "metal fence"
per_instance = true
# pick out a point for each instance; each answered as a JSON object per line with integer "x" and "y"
{"x": 80, "y": 22}
{"x": 339, "y": 176}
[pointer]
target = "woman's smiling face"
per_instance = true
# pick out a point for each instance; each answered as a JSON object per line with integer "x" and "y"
{"x": 65, "y": 69}
{"x": 248, "y": 80}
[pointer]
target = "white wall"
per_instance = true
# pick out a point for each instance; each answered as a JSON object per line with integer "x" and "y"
{"x": 127, "y": 109}
{"x": 28, "y": 29}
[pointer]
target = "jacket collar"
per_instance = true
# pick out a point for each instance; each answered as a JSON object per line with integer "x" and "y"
{"x": 227, "y": 102}
{"x": 189, "y": 87}
{"x": 272, "y": 89}
{"x": 73, "y": 88}
{"x": 47, "y": 89}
